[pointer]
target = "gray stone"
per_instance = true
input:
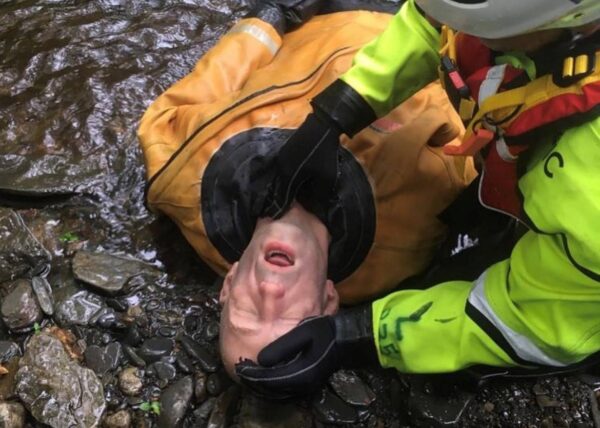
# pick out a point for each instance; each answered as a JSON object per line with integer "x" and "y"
{"x": 120, "y": 419}
{"x": 175, "y": 401}
{"x": 224, "y": 408}
{"x": 55, "y": 389}
{"x": 103, "y": 359}
{"x": 12, "y": 415}
{"x": 164, "y": 371}
{"x": 76, "y": 307}
{"x": 8, "y": 350}
{"x": 20, "y": 251}
{"x": 207, "y": 361}
{"x": 205, "y": 409}
{"x": 20, "y": 309}
{"x": 329, "y": 408}
{"x": 130, "y": 381}
{"x": 110, "y": 273}
{"x": 43, "y": 292}
{"x": 350, "y": 388}
{"x": 155, "y": 348}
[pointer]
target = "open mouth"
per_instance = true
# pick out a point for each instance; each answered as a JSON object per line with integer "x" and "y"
{"x": 279, "y": 257}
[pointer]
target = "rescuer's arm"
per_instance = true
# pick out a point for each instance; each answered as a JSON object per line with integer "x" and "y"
{"x": 387, "y": 71}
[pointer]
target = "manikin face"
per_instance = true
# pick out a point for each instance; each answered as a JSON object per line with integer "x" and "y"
{"x": 280, "y": 279}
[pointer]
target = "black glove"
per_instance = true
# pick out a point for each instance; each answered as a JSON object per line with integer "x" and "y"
{"x": 309, "y": 156}
{"x": 300, "y": 361}
{"x": 285, "y": 15}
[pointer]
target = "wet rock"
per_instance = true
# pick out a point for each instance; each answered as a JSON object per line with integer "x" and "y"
{"x": 205, "y": 409}
{"x": 20, "y": 251}
{"x": 117, "y": 304}
{"x": 350, "y": 388}
{"x": 133, "y": 336}
{"x": 164, "y": 371}
{"x": 329, "y": 408}
{"x": 184, "y": 363}
{"x": 76, "y": 307}
{"x": 130, "y": 381}
{"x": 8, "y": 350}
{"x": 9, "y": 380}
{"x": 154, "y": 349}
{"x": 258, "y": 413}
{"x": 215, "y": 384}
{"x": 43, "y": 292}
{"x": 224, "y": 408}
{"x": 167, "y": 331}
{"x": 55, "y": 389}
{"x": 200, "y": 390}
{"x": 12, "y": 415}
{"x": 103, "y": 359}
{"x": 175, "y": 401}
{"x": 212, "y": 331}
{"x": 133, "y": 356}
{"x": 207, "y": 361}
{"x": 120, "y": 419}
{"x": 437, "y": 402}
{"x": 110, "y": 273}
{"x": 20, "y": 309}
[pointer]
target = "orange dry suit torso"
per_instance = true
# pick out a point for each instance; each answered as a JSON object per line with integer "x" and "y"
{"x": 209, "y": 144}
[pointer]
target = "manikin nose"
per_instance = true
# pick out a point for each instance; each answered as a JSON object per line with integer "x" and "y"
{"x": 272, "y": 296}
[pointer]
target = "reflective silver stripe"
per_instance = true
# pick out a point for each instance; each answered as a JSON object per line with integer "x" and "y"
{"x": 258, "y": 33}
{"x": 522, "y": 346}
{"x": 503, "y": 150}
{"x": 492, "y": 82}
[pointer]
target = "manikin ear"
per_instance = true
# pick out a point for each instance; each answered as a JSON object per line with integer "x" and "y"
{"x": 227, "y": 284}
{"x": 332, "y": 299}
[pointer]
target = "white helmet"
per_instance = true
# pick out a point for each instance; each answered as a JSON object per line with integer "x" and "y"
{"x": 495, "y": 19}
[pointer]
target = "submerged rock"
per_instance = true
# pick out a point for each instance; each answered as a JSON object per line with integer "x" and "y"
{"x": 110, "y": 273}
{"x": 20, "y": 251}
{"x": 55, "y": 389}
{"x": 20, "y": 309}
{"x": 12, "y": 415}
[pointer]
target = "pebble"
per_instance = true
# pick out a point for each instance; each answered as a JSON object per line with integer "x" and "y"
{"x": 214, "y": 384}
{"x": 102, "y": 360}
{"x": 184, "y": 363}
{"x": 329, "y": 408}
{"x": 12, "y": 415}
{"x": 130, "y": 381}
{"x": 205, "y": 409}
{"x": 153, "y": 349}
{"x": 175, "y": 401}
{"x": 43, "y": 292}
{"x": 117, "y": 304}
{"x": 133, "y": 356}
{"x": 120, "y": 419}
{"x": 164, "y": 371}
{"x": 212, "y": 331}
{"x": 350, "y": 388}
{"x": 200, "y": 389}
{"x": 167, "y": 331}
{"x": 20, "y": 309}
{"x": 198, "y": 352}
{"x": 8, "y": 350}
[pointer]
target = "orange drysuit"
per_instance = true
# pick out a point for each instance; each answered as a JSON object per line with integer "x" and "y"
{"x": 210, "y": 139}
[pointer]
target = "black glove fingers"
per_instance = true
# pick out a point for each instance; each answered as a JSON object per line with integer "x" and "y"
{"x": 285, "y": 348}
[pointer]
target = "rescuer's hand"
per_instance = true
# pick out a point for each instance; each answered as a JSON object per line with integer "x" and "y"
{"x": 309, "y": 158}
{"x": 300, "y": 361}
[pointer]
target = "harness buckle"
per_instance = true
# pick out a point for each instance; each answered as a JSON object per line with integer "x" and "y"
{"x": 457, "y": 90}
{"x": 574, "y": 68}
{"x": 469, "y": 147}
